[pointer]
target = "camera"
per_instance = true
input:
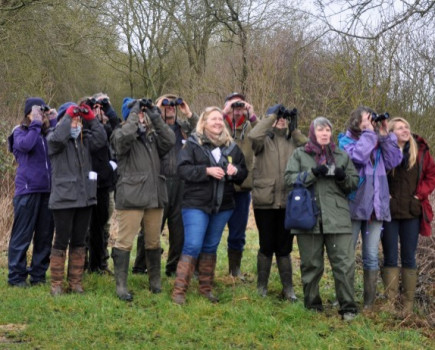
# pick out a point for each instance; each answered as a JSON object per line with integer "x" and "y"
{"x": 286, "y": 113}
{"x": 377, "y": 118}
{"x": 146, "y": 103}
{"x": 238, "y": 104}
{"x": 172, "y": 103}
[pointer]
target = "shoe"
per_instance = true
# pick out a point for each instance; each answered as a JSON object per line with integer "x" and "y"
{"x": 22, "y": 284}
{"x": 348, "y": 316}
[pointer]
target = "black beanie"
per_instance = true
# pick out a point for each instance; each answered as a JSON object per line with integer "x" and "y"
{"x": 32, "y": 101}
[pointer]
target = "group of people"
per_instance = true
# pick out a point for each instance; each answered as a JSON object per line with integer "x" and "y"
{"x": 163, "y": 163}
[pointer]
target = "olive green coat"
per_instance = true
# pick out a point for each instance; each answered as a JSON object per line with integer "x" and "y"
{"x": 331, "y": 195}
{"x": 272, "y": 150}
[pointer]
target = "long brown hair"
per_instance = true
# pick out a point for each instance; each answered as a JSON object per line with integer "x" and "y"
{"x": 413, "y": 147}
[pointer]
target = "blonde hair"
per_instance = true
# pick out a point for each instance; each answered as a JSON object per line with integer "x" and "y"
{"x": 225, "y": 138}
{"x": 413, "y": 147}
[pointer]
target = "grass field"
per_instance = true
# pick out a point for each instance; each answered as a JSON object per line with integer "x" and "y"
{"x": 32, "y": 319}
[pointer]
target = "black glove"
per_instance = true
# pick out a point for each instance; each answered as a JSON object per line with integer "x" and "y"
{"x": 275, "y": 109}
{"x": 134, "y": 107}
{"x": 154, "y": 112}
{"x": 340, "y": 174}
{"x": 293, "y": 121}
{"x": 320, "y": 170}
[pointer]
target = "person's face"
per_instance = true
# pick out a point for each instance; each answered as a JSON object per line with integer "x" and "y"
{"x": 281, "y": 123}
{"x": 214, "y": 124}
{"x": 239, "y": 111}
{"x": 323, "y": 135}
{"x": 75, "y": 122}
{"x": 402, "y": 131}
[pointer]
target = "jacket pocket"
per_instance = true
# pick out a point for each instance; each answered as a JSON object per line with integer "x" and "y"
{"x": 263, "y": 192}
{"x": 91, "y": 186}
{"x": 64, "y": 188}
{"x": 131, "y": 191}
{"x": 415, "y": 207}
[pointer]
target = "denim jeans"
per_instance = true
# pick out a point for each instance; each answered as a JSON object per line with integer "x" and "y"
{"x": 371, "y": 235}
{"x": 407, "y": 230}
{"x": 202, "y": 231}
{"x": 238, "y": 221}
{"x": 32, "y": 221}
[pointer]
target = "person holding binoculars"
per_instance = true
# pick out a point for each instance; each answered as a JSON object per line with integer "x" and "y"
{"x": 74, "y": 190}
{"x": 33, "y": 220}
{"x": 140, "y": 143}
{"x": 170, "y": 104}
{"x": 239, "y": 119}
{"x": 373, "y": 151}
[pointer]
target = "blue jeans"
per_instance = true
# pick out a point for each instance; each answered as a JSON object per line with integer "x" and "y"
{"x": 202, "y": 231}
{"x": 371, "y": 235}
{"x": 238, "y": 221}
{"x": 32, "y": 221}
{"x": 407, "y": 230}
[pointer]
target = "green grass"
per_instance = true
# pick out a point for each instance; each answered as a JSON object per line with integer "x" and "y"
{"x": 32, "y": 319}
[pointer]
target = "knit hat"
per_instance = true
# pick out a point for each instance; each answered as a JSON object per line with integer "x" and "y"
{"x": 125, "y": 111}
{"x": 62, "y": 109}
{"x": 32, "y": 101}
{"x": 233, "y": 95}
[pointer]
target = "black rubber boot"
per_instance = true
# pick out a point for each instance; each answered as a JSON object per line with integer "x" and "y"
{"x": 286, "y": 275}
{"x": 264, "y": 263}
{"x": 234, "y": 262}
{"x": 121, "y": 260}
{"x": 153, "y": 260}
{"x": 370, "y": 281}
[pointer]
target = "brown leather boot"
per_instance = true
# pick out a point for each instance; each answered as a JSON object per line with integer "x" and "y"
{"x": 206, "y": 267}
{"x": 57, "y": 269}
{"x": 185, "y": 268}
{"x": 76, "y": 264}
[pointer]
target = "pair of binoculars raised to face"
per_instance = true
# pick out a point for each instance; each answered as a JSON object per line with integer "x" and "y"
{"x": 93, "y": 102}
{"x": 172, "y": 103}
{"x": 44, "y": 108}
{"x": 238, "y": 104}
{"x": 379, "y": 117}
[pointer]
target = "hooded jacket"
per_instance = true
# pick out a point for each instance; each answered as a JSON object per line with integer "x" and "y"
{"x": 372, "y": 156}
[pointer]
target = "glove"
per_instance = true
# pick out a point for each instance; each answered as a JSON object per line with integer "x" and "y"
{"x": 134, "y": 107}
{"x": 106, "y": 107}
{"x": 52, "y": 114}
{"x": 86, "y": 112}
{"x": 153, "y": 112}
{"x": 293, "y": 120}
{"x": 73, "y": 111}
{"x": 275, "y": 109}
{"x": 320, "y": 170}
{"x": 36, "y": 113}
{"x": 340, "y": 174}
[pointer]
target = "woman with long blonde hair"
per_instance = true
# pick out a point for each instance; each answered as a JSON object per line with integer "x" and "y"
{"x": 410, "y": 184}
{"x": 209, "y": 163}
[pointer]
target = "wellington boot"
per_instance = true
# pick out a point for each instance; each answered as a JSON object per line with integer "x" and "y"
{"x": 390, "y": 278}
{"x": 57, "y": 269}
{"x": 264, "y": 264}
{"x": 185, "y": 268}
{"x": 286, "y": 275}
{"x": 409, "y": 284}
{"x": 76, "y": 264}
{"x": 121, "y": 260}
{"x": 207, "y": 266}
{"x": 153, "y": 260}
{"x": 370, "y": 280}
{"x": 234, "y": 262}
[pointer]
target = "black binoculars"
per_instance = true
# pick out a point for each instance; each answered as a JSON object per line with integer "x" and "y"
{"x": 146, "y": 103}
{"x": 92, "y": 102}
{"x": 286, "y": 113}
{"x": 238, "y": 104}
{"x": 44, "y": 109}
{"x": 172, "y": 103}
{"x": 380, "y": 117}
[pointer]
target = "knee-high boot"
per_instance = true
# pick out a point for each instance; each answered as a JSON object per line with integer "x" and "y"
{"x": 121, "y": 260}
{"x": 57, "y": 269}
{"x": 234, "y": 262}
{"x": 286, "y": 275}
{"x": 206, "y": 267}
{"x": 390, "y": 278}
{"x": 409, "y": 284}
{"x": 264, "y": 264}
{"x": 370, "y": 280}
{"x": 76, "y": 264}
{"x": 185, "y": 268}
{"x": 153, "y": 260}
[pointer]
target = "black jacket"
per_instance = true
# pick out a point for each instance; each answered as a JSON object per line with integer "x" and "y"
{"x": 202, "y": 191}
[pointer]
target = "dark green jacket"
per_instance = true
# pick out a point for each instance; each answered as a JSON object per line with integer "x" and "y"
{"x": 140, "y": 185}
{"x": 331, "y": 195}
{"x": 272, "y": 150}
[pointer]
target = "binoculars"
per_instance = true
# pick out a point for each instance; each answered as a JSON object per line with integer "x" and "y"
{"x": 146, "y": 103}
{"x": 238, "y": 104}
{"x": 44, "y": 108}
{"x": 81, "y": 110}
{"x": 286, "y": 113}
{"x": 172, "y": 103}
{"x": 380, "y": 117}
{"x": 92, "y": 102}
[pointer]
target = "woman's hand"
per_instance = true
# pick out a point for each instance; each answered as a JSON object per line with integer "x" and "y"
{"x": 231, "y": 170}
{"x": 216, "y": 172}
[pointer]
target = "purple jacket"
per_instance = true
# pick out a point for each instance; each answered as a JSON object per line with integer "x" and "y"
{"x": 30, "y": 150}
{"x": 373, "y": 156}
